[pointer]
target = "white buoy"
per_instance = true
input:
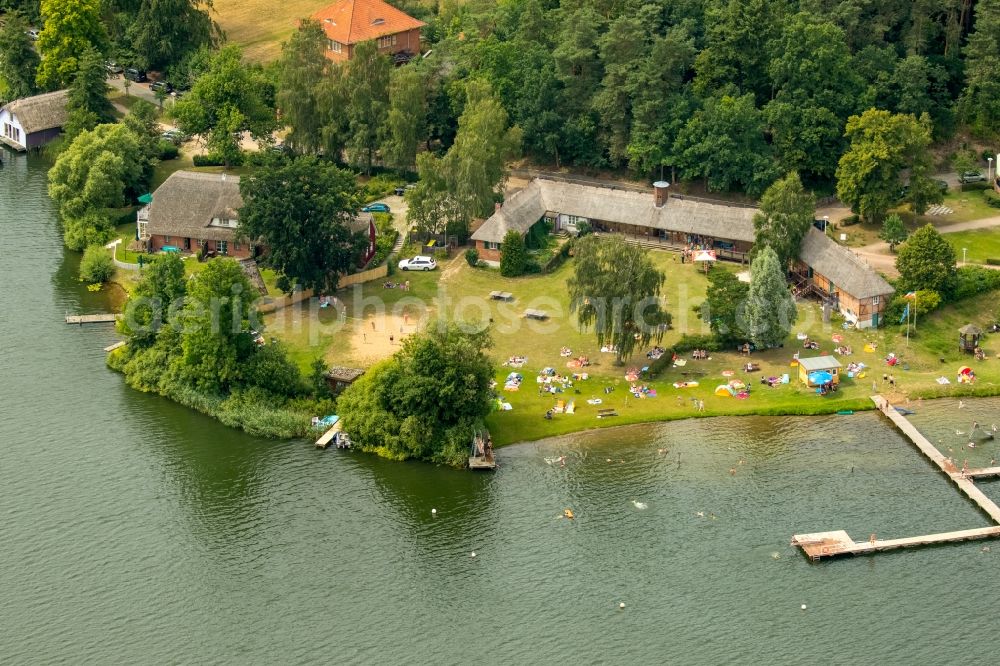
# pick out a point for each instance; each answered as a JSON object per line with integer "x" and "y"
{"x": 434, "y": 512}
{"x": 803, "y": 606}
{"x": 473, "y": 554}
{"x": 621, "y": 604}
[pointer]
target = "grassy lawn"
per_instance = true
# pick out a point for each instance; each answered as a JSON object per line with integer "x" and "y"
{"x": 966, "y": 206}
{"x": 456, "y": 291}
{"x": 982, "y": 244}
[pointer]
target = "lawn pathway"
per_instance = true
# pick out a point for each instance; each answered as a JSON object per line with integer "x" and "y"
{"x": 877, "y": 254}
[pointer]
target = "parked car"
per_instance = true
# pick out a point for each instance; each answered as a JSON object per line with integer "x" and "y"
{"x": 418, "y": 263}
{"x": 33, "y": 34}
{"x": 161, "y": 85}
{"x": 175, "y": 136}
{"x": 377, "y": 207}
{"x": 137, "y": 75}
{"x": 971, "y": 177}
{"x": 113, "y": 67}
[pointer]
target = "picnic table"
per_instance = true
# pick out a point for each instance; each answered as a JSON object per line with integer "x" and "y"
{"x": 531, "y": 313}
{"x": 501, "y": 296}
{"x": 605, "y": 413}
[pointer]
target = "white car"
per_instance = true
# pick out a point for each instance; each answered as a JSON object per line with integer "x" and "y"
{"x": 418, "y": 263}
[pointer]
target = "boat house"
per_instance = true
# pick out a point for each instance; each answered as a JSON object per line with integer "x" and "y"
{"x": 339, "y": 378}
{"x": 658, "y": 219}
{"x": 33, "y": 121}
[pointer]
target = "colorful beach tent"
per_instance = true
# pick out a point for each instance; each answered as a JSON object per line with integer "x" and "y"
{"x": 724, "y": 391}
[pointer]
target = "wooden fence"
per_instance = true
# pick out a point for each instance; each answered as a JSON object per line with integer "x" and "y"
{"x": 268, "y": 304}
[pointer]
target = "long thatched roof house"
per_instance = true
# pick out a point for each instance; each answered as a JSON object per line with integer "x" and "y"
{"x": 32, "y": 122}
{"x": 658, "y": 218}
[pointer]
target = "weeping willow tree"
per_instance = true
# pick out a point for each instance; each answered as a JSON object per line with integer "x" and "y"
{"x": 616, "y": 290}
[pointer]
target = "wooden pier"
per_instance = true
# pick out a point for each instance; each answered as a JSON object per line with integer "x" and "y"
{"x": 103, "y": 318}
{"x": 327, "y": 437}
{"x": 829, "y": 544}
{"x": 120, "y": 343}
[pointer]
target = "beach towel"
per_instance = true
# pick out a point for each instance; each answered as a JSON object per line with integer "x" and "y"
{"x": 680, "y": 363}
{"x": 784, "y": 378}
{"x": 594, "y": 401}
{"x": 571, "y": 407}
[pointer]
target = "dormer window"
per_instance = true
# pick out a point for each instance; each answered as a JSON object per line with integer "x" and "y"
{"x": 378, "y": 21}
{"x": 229, "y": 223}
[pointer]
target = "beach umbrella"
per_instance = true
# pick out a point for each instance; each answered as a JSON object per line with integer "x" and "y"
{"x": 820, "y": 377}
{"x": 706, "y": 256}
{"x": 964, "y": 370}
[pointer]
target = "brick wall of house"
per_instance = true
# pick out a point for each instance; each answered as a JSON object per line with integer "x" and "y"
{"x": 191, "y": 245}
{"x": 487, "y": 254}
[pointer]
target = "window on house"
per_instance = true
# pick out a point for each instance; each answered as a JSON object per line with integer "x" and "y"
{"x": 236, "y": 246}
{"x": 491, "y": 246}
{"x": 875, "y": 300}
{"x": 223, "y": 247}
{"x": 336, "y": 46}
{"x": 388, "y": 40}
{"x": 166, "y": 239}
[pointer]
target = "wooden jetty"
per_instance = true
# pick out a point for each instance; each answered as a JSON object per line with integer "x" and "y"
{"x": 103, "y": 318}
{"x": 120, "y": 343}
{"x": 328, "y": 436}
{"x": 828, "y": 544}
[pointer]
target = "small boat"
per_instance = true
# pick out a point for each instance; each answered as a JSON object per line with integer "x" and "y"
{"x": 904, "y": 411}
{"x": 845, "y": 412}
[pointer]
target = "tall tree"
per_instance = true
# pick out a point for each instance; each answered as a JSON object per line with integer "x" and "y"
{"x": 302, "y": 211}
{"x": 18, "y": 59}
{"x": 893, "y": 232}
{"x": 770, "y": 308}
{"x": 164, "y": 32}
{"x": 578, "y": 68}
{"x": 926, "y": 261}
{"x": 725, "y": 300}
{"x": 89, "y": 92}
{"x": 882, "y": 144}
{"x": 623, "y": 47}
{"x": 724, "y": 143}
{"x": 214, "y": 325}
{"x": 156, "y": 298}
{"x": 427, "y": 401}
{"x": 230, "y": 98}
{"x": 982, "y": 71}
{"x": 301, "y": 72}
{"x": 406, "y": 124}
{"x": 366, "y": 88}
{"x": 786, "y": 213}
{"x": 616, "y": 289}
{"x": 71, "y": 26}
{"x": 101, "y": 169}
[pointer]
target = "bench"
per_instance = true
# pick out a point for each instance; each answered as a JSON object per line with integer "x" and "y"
{"x": 501, "y": 296}
{"x": 536, "y": 314}
{"x": 605, "y": 413}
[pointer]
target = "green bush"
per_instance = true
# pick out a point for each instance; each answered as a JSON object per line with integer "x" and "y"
{"x": 96, "y": 266}
{"x": 583, "y": 228}
{"x": 973, "y": 280}
{"x": 992, "y": 198}
{"x": 689, "y": 342}
{"x": 991, "y": 261}
{"x": 167, "y": 150}
{"x": 657, "y": 367}
{"x": 213, "y": 160}
{"x": 850, "y": 220}
{"x": 381, "y": 185}
{"x": 973, "y": 187}
{"x": 513, "y": 256}
{"x": 472, "y": 257}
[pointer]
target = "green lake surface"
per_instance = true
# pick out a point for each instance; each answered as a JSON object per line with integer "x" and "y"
{"x": 133, "y": 530}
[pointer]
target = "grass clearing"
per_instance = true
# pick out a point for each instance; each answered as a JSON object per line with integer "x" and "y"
{"x": 457, "y": 292}
{"x": 981, "y": 244}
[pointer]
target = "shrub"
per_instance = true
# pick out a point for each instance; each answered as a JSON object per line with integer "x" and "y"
{"x": 973, "y": 280}
{"x": 657, "y": 367}
{"x": 381, "y": 185}
{"x": 992, "y": 198}
{"x": 583, "y": 228}
{"x": 472, "y": 257}
{"x": 850, "y": 220}
{"x": 689, "y": 342}
{"x": 214, "y": 160}
{"x": 991, "y": 261}
{"x": 167, "y": 150}
{"x": 972, "y": 187}
{"x": 513, "y": 256}
{"x": 96, "y": 266}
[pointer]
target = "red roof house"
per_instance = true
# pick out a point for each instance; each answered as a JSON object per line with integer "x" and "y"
{"x": 350, "y": 22}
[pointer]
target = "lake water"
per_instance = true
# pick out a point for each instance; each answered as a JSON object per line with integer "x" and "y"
{"x": 136, "y": 531}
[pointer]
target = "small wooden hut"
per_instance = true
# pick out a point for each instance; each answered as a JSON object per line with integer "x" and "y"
{"x": 819, "y": 364}
{"x": 338, "y": 378}
{"x": 968, "y": 338}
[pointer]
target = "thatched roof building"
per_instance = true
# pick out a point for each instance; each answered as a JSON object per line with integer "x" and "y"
{"x": 541, "y": 196}
{"x": 33, "y": 121}
{"x": 841, "y": 266}
{"x": 196, "y": 205}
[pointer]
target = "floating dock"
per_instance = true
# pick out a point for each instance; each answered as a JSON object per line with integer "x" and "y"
{"x": 829, "y": 544}
{"x": 481, "y": 452}
{"x": 92, "y": 319}
{"x": 120, "y": 343}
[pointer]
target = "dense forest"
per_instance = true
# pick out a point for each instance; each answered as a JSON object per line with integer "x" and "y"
{"x": 734, "y": 92}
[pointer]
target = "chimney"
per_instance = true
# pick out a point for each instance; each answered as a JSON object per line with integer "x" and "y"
{"x": 660, "y": 194}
